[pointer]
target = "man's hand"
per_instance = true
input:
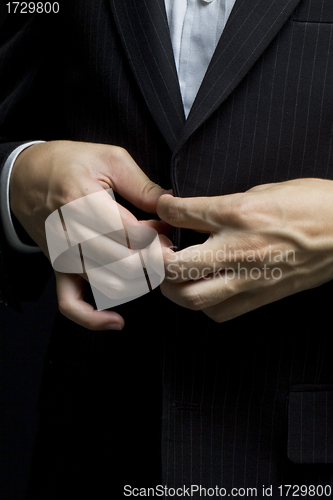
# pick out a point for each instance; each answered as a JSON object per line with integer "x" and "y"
{"x": 265, "y": 244}
{"x": 47, "y": 176}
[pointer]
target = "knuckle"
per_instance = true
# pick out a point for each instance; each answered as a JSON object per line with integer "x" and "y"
{"x": 244, "y": 211}
{"x": 173, "y": 211}
{"x": 193, "y": 299}
{"x": 119, "y": 152}
{"x": 64, "y": 308}
{"x": 219, "y": 314}
{"x": 116, "y": 157}
{"x": 111, "y": 155}
{"x": 148, "y": 188}
{"x": 231, "y": 309}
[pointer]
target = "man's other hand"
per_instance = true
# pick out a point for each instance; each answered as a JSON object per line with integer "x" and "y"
{"x": 265, "y": 244}
{"x": 47, "y": 176}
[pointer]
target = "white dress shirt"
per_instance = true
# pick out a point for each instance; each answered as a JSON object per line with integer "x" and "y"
{"x": 195, "y": 29}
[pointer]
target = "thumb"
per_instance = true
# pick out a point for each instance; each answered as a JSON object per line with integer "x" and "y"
{"x": 132, "y": 183}
{"x": 72, "y": 305}
{"x": 200, "y": 213}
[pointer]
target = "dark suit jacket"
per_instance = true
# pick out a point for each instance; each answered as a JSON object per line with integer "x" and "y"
{"x": 246, "y": 403}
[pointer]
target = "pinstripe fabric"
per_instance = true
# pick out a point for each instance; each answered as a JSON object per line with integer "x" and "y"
{"x": 310, "y": 410}
{"x": 226, "y": 415}
{"x": 264, "y": 114}
{"x": 143, "y": 27}
{"x": 238, "y": 49}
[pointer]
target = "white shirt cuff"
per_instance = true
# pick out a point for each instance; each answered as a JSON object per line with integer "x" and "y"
{"x": 5, "y": 213}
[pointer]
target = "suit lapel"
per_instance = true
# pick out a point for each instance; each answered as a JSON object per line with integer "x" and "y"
{"x": 143, "y": 28}
{"x": 144, "y": 31}
{"x": 252, "y": 25}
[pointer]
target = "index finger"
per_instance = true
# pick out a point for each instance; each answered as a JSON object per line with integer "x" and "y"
{"x": 206, "y": 214}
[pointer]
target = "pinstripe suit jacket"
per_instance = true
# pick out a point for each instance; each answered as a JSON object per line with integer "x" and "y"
{"x": 245, "y": 403}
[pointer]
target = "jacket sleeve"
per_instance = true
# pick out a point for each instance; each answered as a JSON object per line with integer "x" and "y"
{"x": 27, "y": 46}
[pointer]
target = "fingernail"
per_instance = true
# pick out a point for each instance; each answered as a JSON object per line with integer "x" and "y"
{"x": 113, "y": 326}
